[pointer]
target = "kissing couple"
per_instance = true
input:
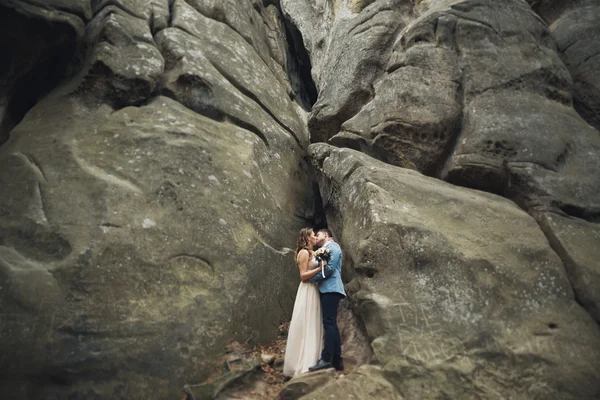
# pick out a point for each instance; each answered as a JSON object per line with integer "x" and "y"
{"x": 316, "y": 306}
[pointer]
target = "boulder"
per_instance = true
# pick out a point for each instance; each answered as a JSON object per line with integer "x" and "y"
{"x": 415, "y": 114}
{"x": 256, "y": 24}
{"x": 139, "y": 232}
{"x": 154, "y": 174}
{"x": 356, "y": 347}
{"x": 481, "y": 94}
{"x": 306, "y": 383}
{"x": 349, "y": 43}
{"x": 367, "y": 382}
{"x": 124, "y": 65}
{"x": 576, "y": 242}
{"x": 455, "y": 308}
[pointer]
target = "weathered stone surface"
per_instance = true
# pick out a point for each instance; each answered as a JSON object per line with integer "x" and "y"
{"x": 256, "y": 24}
{"x": 546, "y": 160}
{"x": 241, "y": 74}
{"x": 576, "y": 242}
{"x": 124, "y": 65}
{"x": 356, "y": 347}
{"x": 306, "y": 383}
{"x": 367, "y": 382}
{"x": 474, "y": 92}
{"x": 443, "y": 91}
{"x": 151, "y": 233}
{"x": 155, "y": 12}
{"x": 349, "y": 46}
{"x": 498, "y": 144}
{"x": 494, "y": 133}
{"x": 147, "y": 204}
{"x": 575, "y": 26}
{"x": 138, "y": 236}
{"x": 454, "y": 307}
{"x": 235, "y": 369}
{"x": 431, "y": 110}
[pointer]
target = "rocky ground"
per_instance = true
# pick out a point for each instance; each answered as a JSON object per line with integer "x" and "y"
{"x": 263, "y": 378}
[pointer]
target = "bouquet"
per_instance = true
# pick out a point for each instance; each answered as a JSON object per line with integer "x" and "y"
{"x": 322, "y": 254}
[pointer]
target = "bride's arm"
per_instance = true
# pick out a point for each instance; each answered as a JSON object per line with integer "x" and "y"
{"x": 317, "y": 265}
{"x": 305, "y": 273}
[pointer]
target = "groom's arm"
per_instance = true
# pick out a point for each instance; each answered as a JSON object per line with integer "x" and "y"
{"x": 335, "y": 257}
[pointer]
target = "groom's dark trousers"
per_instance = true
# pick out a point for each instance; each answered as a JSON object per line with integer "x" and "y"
{"x": 332, "y": 351}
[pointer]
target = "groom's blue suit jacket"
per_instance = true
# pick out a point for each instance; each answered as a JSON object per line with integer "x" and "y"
{"x": 334, "y": 283}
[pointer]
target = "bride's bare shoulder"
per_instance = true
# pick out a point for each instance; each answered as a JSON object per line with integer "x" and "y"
{"x": 303, "y": 253}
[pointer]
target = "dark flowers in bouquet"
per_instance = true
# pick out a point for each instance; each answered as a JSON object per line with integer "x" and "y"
{"x": 322, "y": 254}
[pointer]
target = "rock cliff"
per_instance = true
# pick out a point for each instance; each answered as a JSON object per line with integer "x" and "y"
{"x": 156, "y": 164}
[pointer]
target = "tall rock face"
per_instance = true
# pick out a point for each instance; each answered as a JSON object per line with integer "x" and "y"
{"x": 155, "y": 167}
{"x": 454, "y": 308}
{"x": 482, "y": 94}
{"x": 147, "y": 202}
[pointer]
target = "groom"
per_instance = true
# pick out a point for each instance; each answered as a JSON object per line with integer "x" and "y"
{"x": 332, "y": 291}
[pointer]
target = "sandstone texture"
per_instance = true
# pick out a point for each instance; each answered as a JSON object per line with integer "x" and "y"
{"x": 156, "y": 165}
{"x": 496, "y": 96}
{"x": 575, "y": 27}
{"x": 365, "y": 383}
{"x": 149, "y": 201}
{"x": 453, "y": 308}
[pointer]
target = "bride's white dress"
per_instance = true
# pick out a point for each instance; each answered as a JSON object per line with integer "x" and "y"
{"x": 305, "y": 336}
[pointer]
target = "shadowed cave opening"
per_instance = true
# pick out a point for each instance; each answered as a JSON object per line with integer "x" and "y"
{"x": 299, "y": 69}
{"x": 36, "y": 54}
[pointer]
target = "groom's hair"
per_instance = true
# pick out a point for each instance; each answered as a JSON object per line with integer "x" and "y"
{"x": 326, "y": 231}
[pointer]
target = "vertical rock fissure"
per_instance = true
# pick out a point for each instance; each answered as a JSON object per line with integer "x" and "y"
{"x": 299, "y": 68}
{"x": 439, "y": 170}
{"x": 541, "y": 217}
{"x": 356, "y": 345}
{"x": 569, "y": 266}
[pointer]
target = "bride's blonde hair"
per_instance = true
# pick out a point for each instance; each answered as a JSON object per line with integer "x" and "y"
{"x": 303, "y": 242}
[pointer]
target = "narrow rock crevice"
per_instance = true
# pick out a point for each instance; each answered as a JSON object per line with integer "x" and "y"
{"x": 37, "y": 56}
{"x": 439, "y": 169}
{"x": 356, "y": 347}
{"x": 542, "y": 214}
{"x": 299, "y": 68}
{"x": 171, "y": 13}
{"x": 590, "y": 215}
{"x": 570, "y": 267}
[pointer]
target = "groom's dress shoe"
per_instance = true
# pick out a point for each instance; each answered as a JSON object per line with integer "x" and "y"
{"x": 320, "y": 365}
{"x": 338, "y": 364}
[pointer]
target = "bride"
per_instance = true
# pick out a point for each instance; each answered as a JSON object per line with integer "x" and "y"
{"x": 305, "y": 337}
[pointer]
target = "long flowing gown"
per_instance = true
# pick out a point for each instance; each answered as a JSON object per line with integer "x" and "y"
{"x": 305, "y": 336}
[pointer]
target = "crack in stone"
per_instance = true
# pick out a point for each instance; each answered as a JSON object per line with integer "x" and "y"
{"x": 255, "y": 98}
{"x": 44, "y": 206}
{"x": 567, "y": 261}
{"x": 34, "y": 164}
